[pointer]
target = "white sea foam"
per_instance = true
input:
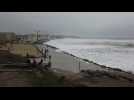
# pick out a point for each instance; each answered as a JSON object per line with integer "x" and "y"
{"x": 111, "y": 53}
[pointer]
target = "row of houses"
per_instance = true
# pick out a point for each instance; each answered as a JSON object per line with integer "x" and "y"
{"x": 13, "y": 37}
{"x": 31, "y": 38}
{"x": 7, "y": 37}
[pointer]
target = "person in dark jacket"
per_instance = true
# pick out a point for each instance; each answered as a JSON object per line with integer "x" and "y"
{"x": 49, "y": 63}
{"x": 34, "y": 63}
{"x": 41, "y": 62}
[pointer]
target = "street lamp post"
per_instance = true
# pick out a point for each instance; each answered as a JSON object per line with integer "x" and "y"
{"x": 38, "y": 35}
{"x": 79, "y": 65}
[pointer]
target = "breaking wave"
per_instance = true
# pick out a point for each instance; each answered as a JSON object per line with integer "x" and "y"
{"x": 111, "y": 53}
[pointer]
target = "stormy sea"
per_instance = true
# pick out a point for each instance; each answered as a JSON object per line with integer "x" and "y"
{"x": 108, "y": 52}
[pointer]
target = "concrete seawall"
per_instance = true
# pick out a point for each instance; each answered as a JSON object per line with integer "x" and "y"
{"x": 69, "y": 62}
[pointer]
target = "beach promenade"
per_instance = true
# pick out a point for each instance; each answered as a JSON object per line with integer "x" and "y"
{"x": 72, "y": 66}
{"x": 65, "y": 70}
{"x": 67, "y": 62}
{"x": 19, "y": 76}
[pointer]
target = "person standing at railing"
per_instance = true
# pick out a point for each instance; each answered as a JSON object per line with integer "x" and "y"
{"x": 46, "y": 52}
{"x": 34, "y": 62}
{"x": 49, "y": 62}
{"x": 41, "y": 61}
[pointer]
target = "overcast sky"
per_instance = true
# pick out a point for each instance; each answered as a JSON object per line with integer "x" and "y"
{"x": 86, "y": 24}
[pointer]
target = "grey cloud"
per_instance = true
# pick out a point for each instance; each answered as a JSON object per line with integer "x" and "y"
{"x": 76, "y": 23}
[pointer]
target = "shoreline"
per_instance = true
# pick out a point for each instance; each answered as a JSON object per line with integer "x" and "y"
{"x": 88, "y": 61}
{"x": 101, "y": 75}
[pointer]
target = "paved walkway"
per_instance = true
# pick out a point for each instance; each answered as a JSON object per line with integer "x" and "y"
{"x": 67, "y": 62}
